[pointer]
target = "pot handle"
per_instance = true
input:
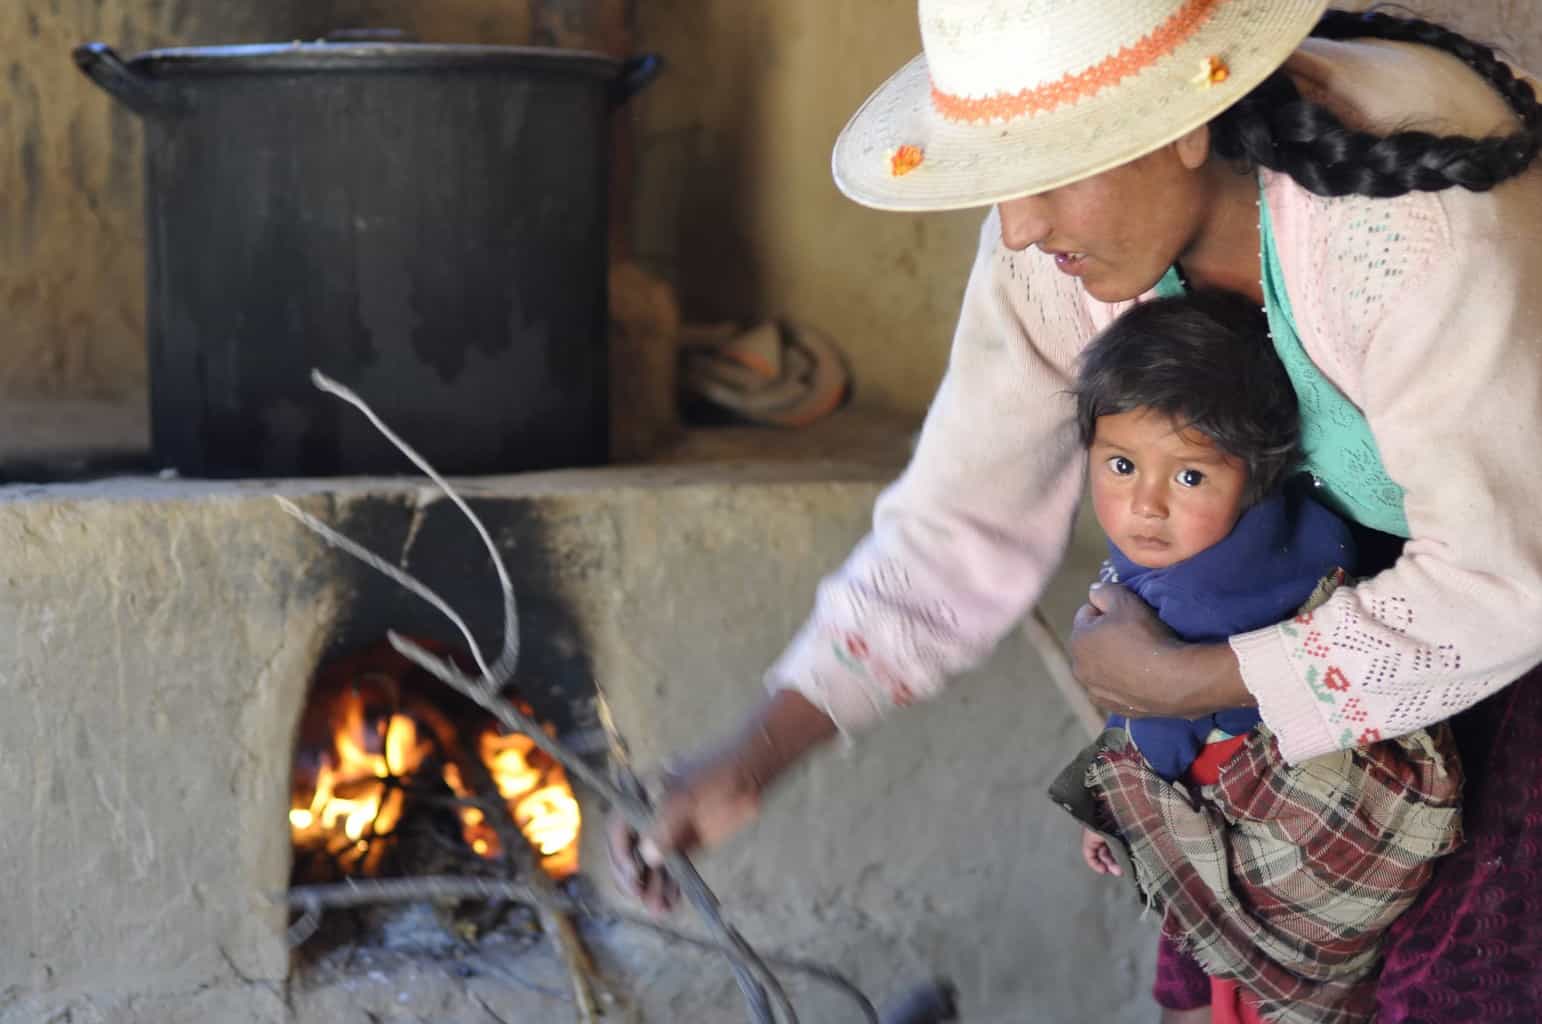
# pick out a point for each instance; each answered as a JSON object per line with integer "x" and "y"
{"x": 636, "y": 75}
{"x": 140, "y": 93}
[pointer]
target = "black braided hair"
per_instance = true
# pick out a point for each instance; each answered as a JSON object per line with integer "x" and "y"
{"x": 1275, "y": 127}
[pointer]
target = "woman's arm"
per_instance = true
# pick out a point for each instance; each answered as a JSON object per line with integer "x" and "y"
{"x": 961, "y": 545}
{"x": 1433, "y": 325}
{"x": 715, "y": 794}
{"x": 964, "y": 541}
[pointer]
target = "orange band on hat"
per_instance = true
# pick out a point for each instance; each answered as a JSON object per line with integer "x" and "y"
{"x": 1080, "y": 85}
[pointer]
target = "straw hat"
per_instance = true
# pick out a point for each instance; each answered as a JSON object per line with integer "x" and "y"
{"x": 1014, "y": 97}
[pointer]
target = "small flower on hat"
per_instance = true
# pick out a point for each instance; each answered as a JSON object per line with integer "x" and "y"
{"x": 1212, "y": 71}
{"x": 904, "y": 159}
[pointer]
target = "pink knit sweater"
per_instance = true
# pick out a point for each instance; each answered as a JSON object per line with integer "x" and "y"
{"x": 1425, "y": 310}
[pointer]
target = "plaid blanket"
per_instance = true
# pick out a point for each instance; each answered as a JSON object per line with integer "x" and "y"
{"x": 1281, "y": 878}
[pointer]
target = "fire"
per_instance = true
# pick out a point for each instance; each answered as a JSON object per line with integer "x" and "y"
{"x": 357, "y": 797}
{"x": 537, "y": 792}
{"x": 549, "y": 819}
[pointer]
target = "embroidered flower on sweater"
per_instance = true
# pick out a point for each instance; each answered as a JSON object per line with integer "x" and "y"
{"x": 851, "y": 651}
{"x": 1352, "y": 711}
{"x": 899, "y": 691}
{"x": 1314, "y": 683}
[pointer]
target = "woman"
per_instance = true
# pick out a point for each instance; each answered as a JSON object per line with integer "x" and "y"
{"x": 1131, "y": 147}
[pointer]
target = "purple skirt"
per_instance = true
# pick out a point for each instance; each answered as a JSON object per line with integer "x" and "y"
{"x": 1470, "y": 949}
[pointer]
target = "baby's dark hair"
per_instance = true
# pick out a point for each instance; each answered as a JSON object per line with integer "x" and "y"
{"x": 1204, "y": 359}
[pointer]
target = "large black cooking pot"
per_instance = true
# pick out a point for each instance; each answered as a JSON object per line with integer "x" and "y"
{"x": 425, "y": 223}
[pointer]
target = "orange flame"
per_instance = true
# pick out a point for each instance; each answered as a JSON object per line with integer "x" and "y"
{"x": 352, "y": 803}
{"x": 540, "y": 799}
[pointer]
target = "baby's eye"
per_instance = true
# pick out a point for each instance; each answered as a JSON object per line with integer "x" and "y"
{"x": 1190, "y": 477}
{"x": 1121, "y": 466}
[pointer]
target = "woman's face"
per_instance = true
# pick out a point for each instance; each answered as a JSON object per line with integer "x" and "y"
{"x": 1118, "y": 231}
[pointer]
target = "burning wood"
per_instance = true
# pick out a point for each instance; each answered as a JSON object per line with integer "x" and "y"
{"x": 352, "y": 799}
{"x": 536, "y": 789}
{"x": 369, "y": 742}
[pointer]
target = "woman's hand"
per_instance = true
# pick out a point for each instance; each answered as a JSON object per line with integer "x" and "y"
{"x": 1096, "y": 852}
{"x": 1133, "y": 665}
{"x": 714, "y": 795}
{"x": 703, "y": 804}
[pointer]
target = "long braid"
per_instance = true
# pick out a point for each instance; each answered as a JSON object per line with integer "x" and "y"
{"x": 1275, "y": 127}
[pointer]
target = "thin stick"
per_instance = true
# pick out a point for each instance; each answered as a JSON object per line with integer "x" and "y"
{"x": 627, "y": 782}
{"x": 305, "y": 927}
{"x": 381, "y": 566}
{"x": 1058, "y": 663}
{"x": 509, "y": 656}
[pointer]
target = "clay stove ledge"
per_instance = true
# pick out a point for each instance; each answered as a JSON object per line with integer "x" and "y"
{"x": 159, "y": 635}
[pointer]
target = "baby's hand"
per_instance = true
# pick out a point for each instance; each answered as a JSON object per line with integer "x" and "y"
{"x": 1098, "y": 856}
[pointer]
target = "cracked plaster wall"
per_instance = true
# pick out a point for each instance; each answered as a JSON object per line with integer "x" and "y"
{"x": 153, "y": 657}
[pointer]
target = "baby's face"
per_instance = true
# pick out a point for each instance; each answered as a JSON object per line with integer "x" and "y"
{"x": 1162, "y": 495}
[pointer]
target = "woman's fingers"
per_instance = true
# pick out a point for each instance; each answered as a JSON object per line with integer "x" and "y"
{"x": 702, "y": 805}
{"x": 1116, "y": 643}
{"x": 1109, "y": 598}
{"x": 1097, "y": 604}
{"x": 637, "y": 866}
{"x": 626, "y": 868}
{"x": 673, "y": 827}
{"x": 660, "y": 894}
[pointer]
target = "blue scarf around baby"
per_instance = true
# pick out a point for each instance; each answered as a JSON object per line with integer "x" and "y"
{"x": 1260, "y": 574}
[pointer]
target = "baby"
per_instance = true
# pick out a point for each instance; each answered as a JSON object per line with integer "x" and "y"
{"x": 1279, "y": 879}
